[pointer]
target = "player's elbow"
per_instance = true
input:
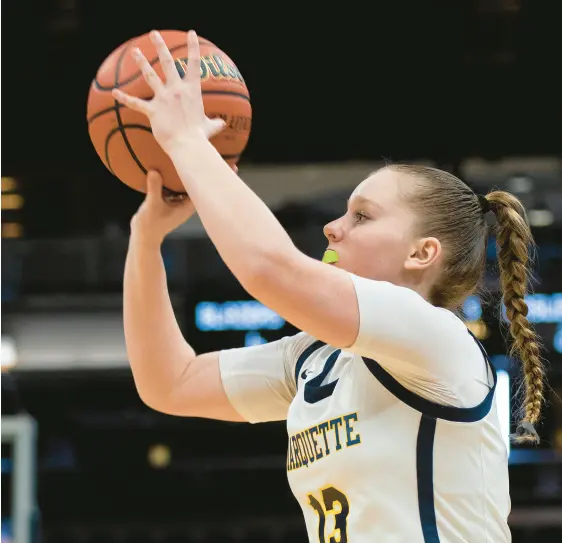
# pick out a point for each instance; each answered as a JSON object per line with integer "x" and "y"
{"x": 151, "y": 398}
{"x": 157, "y": 402}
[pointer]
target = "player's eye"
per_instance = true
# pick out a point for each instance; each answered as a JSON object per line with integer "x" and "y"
{"x": 360, "y": 216}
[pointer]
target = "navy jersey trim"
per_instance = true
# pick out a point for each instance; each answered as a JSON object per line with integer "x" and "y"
{"x": 302, "y": 358}
{"x": 314, "y": 390}
{"x": 424, "y": 469}
{"x": 427, "y": 407}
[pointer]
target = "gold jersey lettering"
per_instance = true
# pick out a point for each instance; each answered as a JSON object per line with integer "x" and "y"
{"x": 319, "y": 441}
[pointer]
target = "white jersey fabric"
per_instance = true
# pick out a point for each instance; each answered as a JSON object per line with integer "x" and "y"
{"x": 395, "y": 439}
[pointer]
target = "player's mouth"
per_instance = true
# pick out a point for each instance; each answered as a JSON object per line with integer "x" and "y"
{"x": 330, "y": 257}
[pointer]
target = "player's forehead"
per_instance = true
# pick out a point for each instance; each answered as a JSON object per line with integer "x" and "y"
{"x": 381, "y": 188}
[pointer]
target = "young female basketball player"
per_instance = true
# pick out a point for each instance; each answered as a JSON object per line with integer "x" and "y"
{"x": 389, "y": 401}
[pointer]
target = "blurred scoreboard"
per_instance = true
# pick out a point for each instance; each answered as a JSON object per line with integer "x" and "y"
{"x": 223, "y": 322}
{"x": 214, "y": 325}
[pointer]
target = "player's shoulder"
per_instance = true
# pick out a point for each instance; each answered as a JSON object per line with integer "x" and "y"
{"x": 455, "y": 331}
{"x": 452, "y": 320}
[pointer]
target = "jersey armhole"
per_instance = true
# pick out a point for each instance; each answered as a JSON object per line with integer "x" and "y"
{"x": 432, "y": 409}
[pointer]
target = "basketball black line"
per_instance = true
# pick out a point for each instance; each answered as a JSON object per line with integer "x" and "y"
{"x": 119, "y": 129}
{"x": 226, "y": 93}
{"x": 106, "y": 148}
{"x": 103, "y": 112}
{"x": 136, "y": 75}
{"x": 120, "y": 120}
{"x": 145, "y": 129}
{"x": 149, "y": 130}
{"x": 206, "y": 92}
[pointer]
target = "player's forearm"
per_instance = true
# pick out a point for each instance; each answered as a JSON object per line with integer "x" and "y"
{"x": 244, "y": 231}
{"x": 158, "y": 353}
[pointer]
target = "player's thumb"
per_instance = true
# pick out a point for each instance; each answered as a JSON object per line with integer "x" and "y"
{"x": 153, "y": 186}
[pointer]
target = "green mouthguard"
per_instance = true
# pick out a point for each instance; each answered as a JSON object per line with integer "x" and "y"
{"x": 330, "y": 256}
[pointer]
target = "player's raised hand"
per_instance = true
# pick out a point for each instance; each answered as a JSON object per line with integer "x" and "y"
{"x": 161, "y": 211}
{"x": 176, "y": 112}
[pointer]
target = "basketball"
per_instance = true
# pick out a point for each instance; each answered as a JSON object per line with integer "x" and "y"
{"x": 123, "y": 138}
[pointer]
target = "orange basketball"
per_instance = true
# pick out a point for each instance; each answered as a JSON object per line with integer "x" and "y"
{"x": 123, "y": 138}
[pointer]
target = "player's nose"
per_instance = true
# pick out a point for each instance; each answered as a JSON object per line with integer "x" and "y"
{"x": 334, "y": 231}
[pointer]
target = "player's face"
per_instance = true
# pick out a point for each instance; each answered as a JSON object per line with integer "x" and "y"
{"x": 376, "y": 235}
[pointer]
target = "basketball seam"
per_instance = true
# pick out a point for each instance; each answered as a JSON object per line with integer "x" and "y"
{"x": 227, "y": 93}
{"x": 147, "y": 129}
{"x": 103, "y": 112}
{"x": 135, "y": 76}
{"x": 120, "y": 121}
{"x": 115, "y": 131}
{"x": 205, "y": 92}
{"x": 107, "y": 140}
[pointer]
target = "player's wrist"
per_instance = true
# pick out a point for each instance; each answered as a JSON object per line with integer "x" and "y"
{"x": 145, "y": 237}
{"x": 185, "y": 145}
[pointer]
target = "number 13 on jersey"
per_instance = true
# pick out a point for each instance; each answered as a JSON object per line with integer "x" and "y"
{"x": 331, "y": 501}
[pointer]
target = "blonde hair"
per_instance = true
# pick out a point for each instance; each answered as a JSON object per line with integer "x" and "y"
{"x": 450, "y": 211}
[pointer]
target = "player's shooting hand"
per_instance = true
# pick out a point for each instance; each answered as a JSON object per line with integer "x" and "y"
{"x": 176, "y": 112}
{"x": 161, "y": 211}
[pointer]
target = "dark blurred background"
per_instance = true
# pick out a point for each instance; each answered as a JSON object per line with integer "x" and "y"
{"x": 471, "y": 86}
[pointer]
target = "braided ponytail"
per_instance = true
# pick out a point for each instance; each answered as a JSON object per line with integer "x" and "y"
{"x": 514, "y": 241}
{"x": 449, "y": 210}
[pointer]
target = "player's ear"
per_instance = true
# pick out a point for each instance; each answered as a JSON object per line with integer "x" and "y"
{"x": 425, "y": 252}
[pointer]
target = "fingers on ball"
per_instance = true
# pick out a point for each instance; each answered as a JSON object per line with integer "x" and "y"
{"x": 166, "y": 58}
{"x": 150, "y": 76}
{"x": 136, "y": 104}
{"x": 193, "y": 57}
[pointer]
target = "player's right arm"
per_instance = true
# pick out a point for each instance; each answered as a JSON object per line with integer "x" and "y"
{"x": 168, "y": 375}
{"x": 252, "y": 384}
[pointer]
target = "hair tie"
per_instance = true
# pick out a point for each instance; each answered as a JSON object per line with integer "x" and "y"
{"x": 526, "y": 429}
{"x": 484, "y": 204}
{"x": 489, "y": 216}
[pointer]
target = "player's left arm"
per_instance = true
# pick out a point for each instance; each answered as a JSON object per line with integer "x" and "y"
{"x": 314, "y": 297}
{"x": 371, "y": 318}
{"x": 394, "y": 325}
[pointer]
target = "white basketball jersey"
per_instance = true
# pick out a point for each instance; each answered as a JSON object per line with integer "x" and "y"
{"x": 396, "y": 439}
{"x": 368, "y": 460}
